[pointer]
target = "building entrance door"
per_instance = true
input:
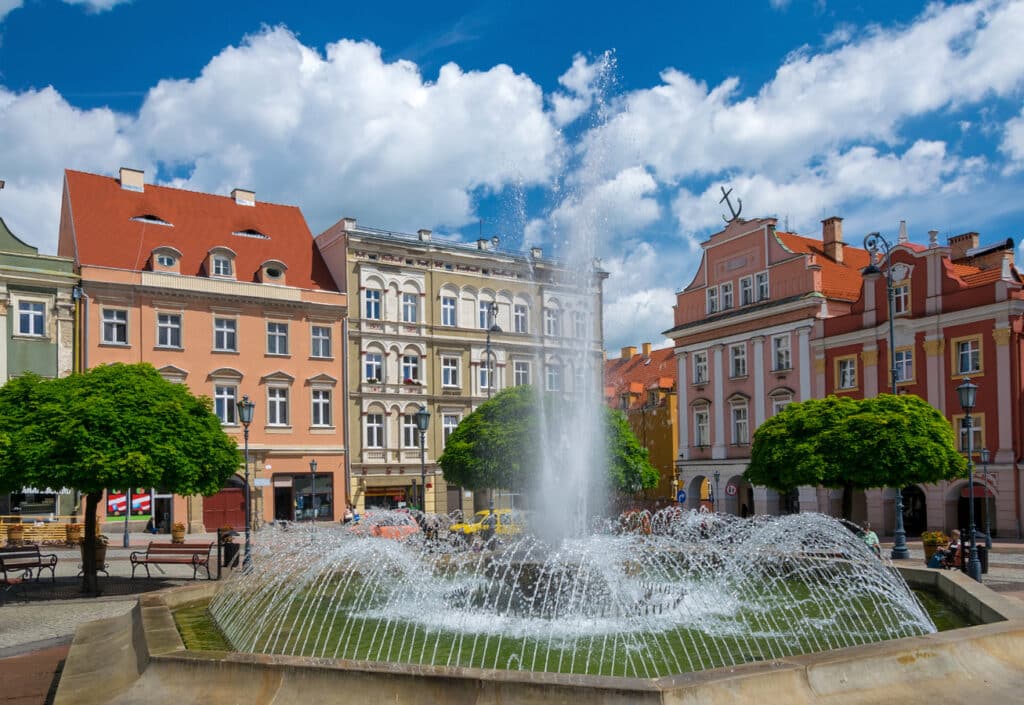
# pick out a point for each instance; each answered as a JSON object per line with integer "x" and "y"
{"x": 284, "y": 504}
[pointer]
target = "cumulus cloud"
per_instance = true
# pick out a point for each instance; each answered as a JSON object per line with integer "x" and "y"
{"x": 583, "y": 81}
{"x": 97, "y": 5}
{"x": 7, "y": 6}
{"x": 1013, "y": 143}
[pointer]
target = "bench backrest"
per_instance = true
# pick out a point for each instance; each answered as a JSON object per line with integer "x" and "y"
{"x": 178, "y": 549}
{"x": 19, "y": 554}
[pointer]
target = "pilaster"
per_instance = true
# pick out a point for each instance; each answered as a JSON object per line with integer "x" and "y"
{"x": 935, "y": 361}
{"x": 1004, "y": 413}
{"x": 759, "y": 398}
{"x": 869, "y": 363}
{"x": 718, "y": 405}
{"x": 682, "y": 415}
{"x": 804, "y": 352}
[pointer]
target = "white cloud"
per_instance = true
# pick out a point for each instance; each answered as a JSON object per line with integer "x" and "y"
{"x": 638, "y": 293}
{"x": 583, "y": 80}
{"x": 97, "y": 5}
{"x": 1013, "y": 143}
{"x": 8, "y": 6}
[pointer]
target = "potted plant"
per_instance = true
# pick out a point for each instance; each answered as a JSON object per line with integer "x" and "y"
{"x": 15, "y": 534}
{"x": 178, "y": 532}
{"x": 73, "y": 533}
{"x": 932, "y": 541}
{"x": 228, "y": 546}
{"x": 101, "y": 551}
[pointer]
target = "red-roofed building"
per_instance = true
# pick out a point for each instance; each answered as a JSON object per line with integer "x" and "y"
{"x": 643, "y": 387}
{"x": 959, "y": 313}
{"x": 743, "y": 333}
{"x": 230, "y": 296}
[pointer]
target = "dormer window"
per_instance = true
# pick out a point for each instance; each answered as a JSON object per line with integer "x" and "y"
{"x": 272, "y": 272}
{"x": 152, "y": 220}
{"x": 221, "y": 262}
{"x": 166, "y": 259}
{"x": 249, "y": 232}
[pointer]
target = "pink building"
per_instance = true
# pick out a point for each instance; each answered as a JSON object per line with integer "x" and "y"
{"x": 744, "y": 334}
{"x": 959, "y": 313}
{"x": 230, "y": 296}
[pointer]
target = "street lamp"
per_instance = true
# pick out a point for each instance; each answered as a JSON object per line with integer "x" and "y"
{"x": 492, "y": 327}
{"x": 245, "y": 409}
{"x": 873, "y": 243}
{"x": 423, "y": 423}
{"x": 988, "y": 523}
{"x": 312, "y": 489}
{"x": 967, "y": 392}
{"x": 714, "y": 501}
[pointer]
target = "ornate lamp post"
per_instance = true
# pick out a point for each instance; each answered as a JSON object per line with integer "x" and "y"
{"x": 492, "y": 327}
{"x": 873, "y": 243}
{"x": 245, "y": 410}
{"x": 714, "y": 500}
{"x": 968, "y": 392}
{"x": 988, "y": 523}
{"x": 422, "y": 424}
{"x": 312, "y": 488}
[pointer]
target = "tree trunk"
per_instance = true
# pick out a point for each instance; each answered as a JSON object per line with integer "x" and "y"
{"x": 847, "y": 501}
{"x": 90, "y": 584}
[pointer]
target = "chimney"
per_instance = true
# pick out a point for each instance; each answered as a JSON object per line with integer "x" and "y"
{"x": 132, "y": 179}
{"x": 424, "y": 234}
{"x": 832, "y": 238}
{"x": 647, "y": 350}
{"x": 536, "y": 252}
{"x": 960, "y": 244}
{"x": 628, "y": 352}
{"x": 483, "y": 244}
{"x": 933, "y": 238}
{"x": 902, "y": 238}
{"x": 348, "y": 224}
{"x": 243, "y": 197}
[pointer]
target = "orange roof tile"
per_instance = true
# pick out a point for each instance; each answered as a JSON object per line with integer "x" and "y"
{"x": 106, "y": 235}
{"x": 839, "y": 281}
{"x": 637, "y": 373}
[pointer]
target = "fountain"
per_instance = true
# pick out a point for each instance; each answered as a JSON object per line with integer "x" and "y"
{"x": 699, "y": 591}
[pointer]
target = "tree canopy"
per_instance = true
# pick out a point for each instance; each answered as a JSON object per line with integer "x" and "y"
{"x": 114, "y": 426}
{"x": 885, "y": 441}
{"x": 497, "y": 446}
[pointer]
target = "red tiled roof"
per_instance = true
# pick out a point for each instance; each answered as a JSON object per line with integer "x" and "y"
{"x": 106, "y": 235}
{"x": 839, "y": 281}
{"x": 632, "y": 374}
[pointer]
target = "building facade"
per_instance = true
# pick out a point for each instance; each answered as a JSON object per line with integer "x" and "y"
{"x": 230, "y": 296}
{"x": 443, "y": 325}
{"x": 958, "y": 313}
{"x": 643, "y": 386}
{"x": 744, "y": 334}
{"x": 37, "y": 317}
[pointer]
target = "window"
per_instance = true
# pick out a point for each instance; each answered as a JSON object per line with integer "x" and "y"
{"x": 761, "y": 284}
{"x": 553, "y": 381}
{"x": 371, "y": 304}
{"x": 374, "y": 425}
{"x": 701, "y": 427}
{"x": 277, "y": 338}
{"x": 222, "y": 266}
{"x": 738, "y": 360}
{"x": 904, "y": 365}
{"x": 520, "y": 319}
{"x": 726, "y": 295}
{"x": 846, "y": 372}
{"x": 579, "y": 379}
{"x": 225, "y": 402}
{"x": 115, "y": 326}
{"x": 277, "y": 406}
{"x": 901, "y": 297}
{"x": 712, "y": 300}
{"x": 448, "y": 311}
{"x": 32, "y": 318}
{"x": 225, "y": 334}
{"x": 740, "y": 425}
{"x": 700, "y": 368}
{"x": 321, "y": 407}
{"x": 374, "y": 367}
{"x": 321, "y": 341}
{"x": 552, "y": 324}
{"x": 410, "y": 308}
{"x": 780, "y": 402}
{"x": 449, "y": 422}
{"x": 410, "y": 432}
{"x": 485, "y": 314}
{"x": 781, "y": 356}
{"x": 168, "y": 330}
{"x": 746, "y": 291}
{"x": 410, "y": 368}
{"x": 521, "y": 372}
{"x": 579, "y": 325}
{"x": 977, "y": 430}
{"x": 486, "y": 374}
{"x": 165, "y": 260}
{"x": 968, "y": 355}
{"x": 450, "y": 371}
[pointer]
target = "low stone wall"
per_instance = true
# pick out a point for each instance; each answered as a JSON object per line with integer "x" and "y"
{"x": 140, "y": 658}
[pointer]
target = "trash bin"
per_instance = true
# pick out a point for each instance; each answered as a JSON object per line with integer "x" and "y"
{"x": 983, "y": 558}
{"x": 230, "y": 554}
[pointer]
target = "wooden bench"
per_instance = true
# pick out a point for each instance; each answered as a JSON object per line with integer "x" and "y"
{"x": 23, "y": 560}
{"x": 193, "y": 554}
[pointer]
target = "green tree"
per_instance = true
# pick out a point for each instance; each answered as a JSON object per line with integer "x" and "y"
{"x": 497, "y": 446}
{"x": 114, "y": 426}
{"x": 840, "y": 442}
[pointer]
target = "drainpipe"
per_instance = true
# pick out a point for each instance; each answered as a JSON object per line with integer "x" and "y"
{"x": 345, "y": 411}
{"x": 1016, "y": 341}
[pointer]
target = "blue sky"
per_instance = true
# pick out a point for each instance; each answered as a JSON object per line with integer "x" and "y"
{"x": 538, "y": 122}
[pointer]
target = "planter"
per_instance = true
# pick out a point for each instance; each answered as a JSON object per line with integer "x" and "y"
{"x": 929, "y": 551}
{"x": 177, "y": 534}
{"x": 15, "y": 534}
{"x": 101, "y": 554}
{"x": 73, "y": 533}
